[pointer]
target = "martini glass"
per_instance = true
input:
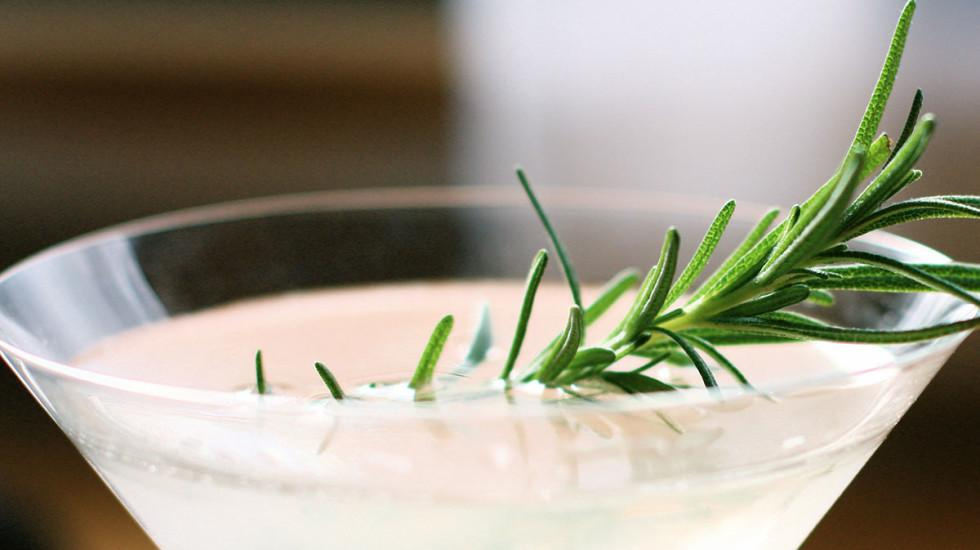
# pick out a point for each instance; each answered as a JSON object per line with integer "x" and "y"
{"x": 219, "y": 466}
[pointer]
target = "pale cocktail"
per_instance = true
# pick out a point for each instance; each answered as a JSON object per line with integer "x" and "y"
{"x": 139, "y": 342}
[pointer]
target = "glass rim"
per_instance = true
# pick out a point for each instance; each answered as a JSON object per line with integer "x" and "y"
{"x": 393, "y": 198}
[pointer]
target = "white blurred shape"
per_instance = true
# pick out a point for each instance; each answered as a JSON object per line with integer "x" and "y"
{"x": 753, "y": 99}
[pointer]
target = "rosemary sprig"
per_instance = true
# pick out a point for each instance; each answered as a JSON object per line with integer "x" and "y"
{"x": 803, "y": 258}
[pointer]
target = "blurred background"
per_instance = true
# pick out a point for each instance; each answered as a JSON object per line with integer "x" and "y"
{"x": 113, "y": 110}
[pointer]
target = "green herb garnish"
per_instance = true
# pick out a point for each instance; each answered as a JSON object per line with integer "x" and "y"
{"x": 425, "y": 371}
{"x": 329, "y": 380}
{"x": 530, "y": 291}
{"x": 803, "y": 258}
{"x": 259, "y": 374}
{"x": 566, "y": 263}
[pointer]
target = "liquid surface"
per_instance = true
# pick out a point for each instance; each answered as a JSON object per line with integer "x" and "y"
{"x": 756, "y": 475}
{"x": 378, "y": 332}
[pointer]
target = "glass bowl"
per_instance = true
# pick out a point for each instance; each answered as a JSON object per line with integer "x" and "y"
{"x": 212, "y": 464}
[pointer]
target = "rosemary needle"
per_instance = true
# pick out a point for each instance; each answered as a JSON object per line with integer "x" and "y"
{"x": 426, "y": 368}
{"x": 530, "y": 291}
{"x": 329, "y": 380}
{"x": 566, "y": 263}
{"x": 259, "y": 374}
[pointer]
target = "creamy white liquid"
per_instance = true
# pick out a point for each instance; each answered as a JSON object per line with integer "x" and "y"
{"x": 380, "y": 331}
{"x": 753, "y": 474}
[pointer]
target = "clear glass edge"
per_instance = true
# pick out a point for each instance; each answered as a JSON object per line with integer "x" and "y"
{"x": 444, "y": 197}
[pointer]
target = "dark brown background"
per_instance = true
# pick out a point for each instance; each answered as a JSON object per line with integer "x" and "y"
{"x": 109, "y": 113}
